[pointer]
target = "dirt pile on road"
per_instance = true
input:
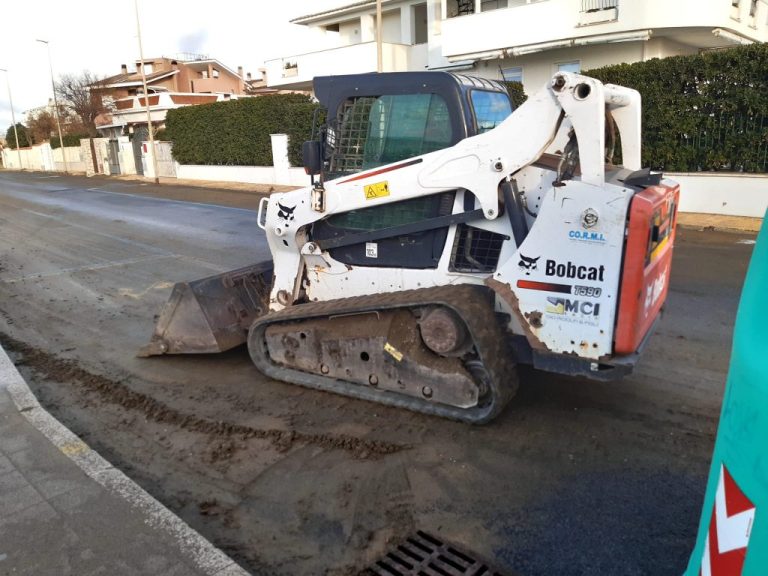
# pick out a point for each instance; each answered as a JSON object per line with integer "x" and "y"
{"x": 116, "y": 392}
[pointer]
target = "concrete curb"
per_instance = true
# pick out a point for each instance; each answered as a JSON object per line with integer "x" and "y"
{"x": 719, "y": 222}
{"x": 200, "y": 552}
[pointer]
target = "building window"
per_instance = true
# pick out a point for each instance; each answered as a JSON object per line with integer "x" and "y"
{"x": 460, "y": 8}
{"x": 204, "y": 74}
{"x": 290, "y": 68}
{"x": 487, "y": 5}
{"x": 574, "y": 66}
{"x": 332, "y": 27}
{"x": 420, "y": 26}
{"x": 215, "y": 73}
{"x": 514, "y": 74}
{"x": 147, "y": 68}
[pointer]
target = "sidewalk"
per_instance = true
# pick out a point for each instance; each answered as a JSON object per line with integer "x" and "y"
{"x": 64, "y": 510}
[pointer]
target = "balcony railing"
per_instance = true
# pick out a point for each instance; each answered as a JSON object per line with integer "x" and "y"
{"x": 466, "y": 7}
{"x": 166, "y": 100}
{"x": 597, "y": 5}
{"x": 298, "y": 70}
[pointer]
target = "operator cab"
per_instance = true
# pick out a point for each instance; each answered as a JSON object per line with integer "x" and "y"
{"x": 377, "y": 119}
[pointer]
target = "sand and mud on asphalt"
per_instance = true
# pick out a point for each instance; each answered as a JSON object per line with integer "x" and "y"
{"x": 575, "y": 477}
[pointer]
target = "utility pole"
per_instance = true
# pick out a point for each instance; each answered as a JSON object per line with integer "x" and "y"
{"x": 56, "y": 108}
{"x": 13, "y": 116}
{"x": 146, "y": 96}
{"x": 379, "y": 48}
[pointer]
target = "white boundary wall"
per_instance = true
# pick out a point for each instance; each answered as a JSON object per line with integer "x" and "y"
{"x": 38, "y": 157}
{"x": 43, "y": 157}
{"x": 73, "y": 154}
{"x": 245, "y": 174}
{"x": 721, "y": 193}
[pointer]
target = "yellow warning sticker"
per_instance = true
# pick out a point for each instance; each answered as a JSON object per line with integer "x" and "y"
{"x": 394, "y": 352}
{"x": 378, "y": 190}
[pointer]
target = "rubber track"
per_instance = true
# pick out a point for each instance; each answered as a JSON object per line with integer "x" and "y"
{"x": 474, "y": 304}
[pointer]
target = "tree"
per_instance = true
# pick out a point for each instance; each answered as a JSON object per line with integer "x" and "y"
{"x": 41, "y": 126}
{"x": 76, "y": 92}
{"x": 10, "y": 136}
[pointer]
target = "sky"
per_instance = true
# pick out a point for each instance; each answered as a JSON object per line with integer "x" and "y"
{"x": 101, "y": 35}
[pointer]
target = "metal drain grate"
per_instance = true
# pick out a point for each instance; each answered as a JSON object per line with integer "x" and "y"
{"x": 425, "y": 555}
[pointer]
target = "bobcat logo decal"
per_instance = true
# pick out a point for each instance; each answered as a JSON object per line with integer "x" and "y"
{"x": 527, "y": 264}
{"x": 286, "y": 212}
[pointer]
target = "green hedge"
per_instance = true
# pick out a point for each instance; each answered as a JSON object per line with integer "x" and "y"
{"x": 707, "y": 111}
{"x": 703, "y": 112}
{"x": 69, "y": 140}
{"x": 237, "y": 132}
{"x": 516, "y": 93}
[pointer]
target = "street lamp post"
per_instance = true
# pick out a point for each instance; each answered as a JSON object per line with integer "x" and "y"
{"x": 146, "y": 96}
{"x": 56, "y": 107}
{"x": 13, "y": 116}
{"x": 379, "y": 44}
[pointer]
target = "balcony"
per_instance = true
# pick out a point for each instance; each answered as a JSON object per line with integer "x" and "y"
{"x": 298, "y": 71}
{"x": 597, "y": 5}
{"x": 598, "y": 12}
{"x": 527, "y": 26}
{"x": 133, "y": 109}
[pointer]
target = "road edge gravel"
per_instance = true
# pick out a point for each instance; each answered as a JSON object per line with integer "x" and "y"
{"x": 202, "y": 553}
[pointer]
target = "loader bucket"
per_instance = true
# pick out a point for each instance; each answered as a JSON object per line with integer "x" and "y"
{"x": 212, "y": 314}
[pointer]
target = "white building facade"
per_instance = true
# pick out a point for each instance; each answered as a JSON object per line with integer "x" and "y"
{"x": 524, "y": 40}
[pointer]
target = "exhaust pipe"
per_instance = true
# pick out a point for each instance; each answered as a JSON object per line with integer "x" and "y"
{"x": 213, "y": 314}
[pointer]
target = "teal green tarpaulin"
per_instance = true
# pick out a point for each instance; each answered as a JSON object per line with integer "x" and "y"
{"x": 733, "y": 532}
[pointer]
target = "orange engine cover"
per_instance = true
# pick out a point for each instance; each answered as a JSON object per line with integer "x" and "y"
{"x": 647, "y": 264}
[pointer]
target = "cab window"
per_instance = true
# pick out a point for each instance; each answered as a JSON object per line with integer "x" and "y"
{"x": 491, "y": 109}
{"x": 406, "y": 125}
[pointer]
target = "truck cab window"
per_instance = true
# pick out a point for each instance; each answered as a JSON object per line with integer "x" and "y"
{"x": 491, "y": 108}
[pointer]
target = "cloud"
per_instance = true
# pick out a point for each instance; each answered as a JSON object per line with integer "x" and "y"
{"x": 194, "y": 42}
{"x": 237, "y": 33}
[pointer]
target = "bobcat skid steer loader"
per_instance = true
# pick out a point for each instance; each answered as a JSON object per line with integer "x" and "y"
{"x": 434, "y": 252}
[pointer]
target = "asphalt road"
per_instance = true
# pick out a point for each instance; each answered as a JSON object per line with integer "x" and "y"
{"x": 575, "y": 477}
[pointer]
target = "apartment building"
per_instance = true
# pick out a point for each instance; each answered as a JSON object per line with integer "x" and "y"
{"x": 523, "y": 40}
{"x": 184, "y": 80}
